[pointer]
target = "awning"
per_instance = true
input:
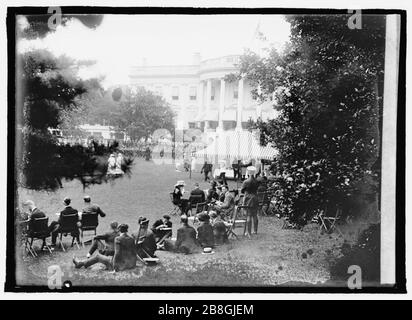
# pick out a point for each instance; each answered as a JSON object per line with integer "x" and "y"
{"x": 241, "y": 145}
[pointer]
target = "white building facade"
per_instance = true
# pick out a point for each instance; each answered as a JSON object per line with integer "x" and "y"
{"x": 201, "y": 97}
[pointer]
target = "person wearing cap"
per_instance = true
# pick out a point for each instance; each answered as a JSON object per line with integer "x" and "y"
{"x": 160, "y": 224}
{"x": 107, "y": 248}
{"x": 124, "y": 254}
{"x": 186, "y": 241}
{"x": 249, "y": 188}
{"x": 219, "y": 228}
{"x": 205, "y": 235}
{"x": 92, "y": 208}
{"x": 145, "y": 240}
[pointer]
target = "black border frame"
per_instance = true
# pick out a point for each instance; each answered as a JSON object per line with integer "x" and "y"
{"x": 399, "y": 287}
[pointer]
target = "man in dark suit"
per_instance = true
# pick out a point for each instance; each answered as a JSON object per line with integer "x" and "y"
{"x": 107, "y": 248}
{"x": 159, "y": 226}
{"x": 124, "y": 254}
{"x": 197, "y": 195}
{"x": 186, "y": 241}
{"x": 249, "y": 188}
{"x": 205, "y": 235}
{"x": 35, "y": 213}
{"x": 68, "y": 210}
{"x": 91, "y": 207}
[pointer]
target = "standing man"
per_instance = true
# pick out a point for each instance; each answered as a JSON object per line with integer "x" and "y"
{"x": 206, "y": 169}
{"x": 249, "y": 188}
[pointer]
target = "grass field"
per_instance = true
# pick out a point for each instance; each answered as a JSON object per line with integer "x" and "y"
{"x": 273, "y": 257}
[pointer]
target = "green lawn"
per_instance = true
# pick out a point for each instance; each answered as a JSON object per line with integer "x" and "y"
{"x": 273, "y": 257}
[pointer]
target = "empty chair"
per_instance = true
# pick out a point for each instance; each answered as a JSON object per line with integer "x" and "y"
{"x": 238, "y": 220}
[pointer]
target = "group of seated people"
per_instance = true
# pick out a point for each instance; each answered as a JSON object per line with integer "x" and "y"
{"x": 54, "y": 227}
{"x": 118, "y": 250}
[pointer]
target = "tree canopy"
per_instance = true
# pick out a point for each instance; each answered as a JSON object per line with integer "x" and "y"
{"x": 326, "y": 88}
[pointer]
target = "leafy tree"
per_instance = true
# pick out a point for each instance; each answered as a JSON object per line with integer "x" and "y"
{"x": 48, "y": 91}
{"x": 141, "y": 113}
{"x": 326, "y": 87}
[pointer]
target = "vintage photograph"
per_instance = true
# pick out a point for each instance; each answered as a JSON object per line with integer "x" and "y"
{"x": 158, "y": 148}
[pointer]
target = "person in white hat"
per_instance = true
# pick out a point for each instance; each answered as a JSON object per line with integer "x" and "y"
{"x": 249, "y": 188}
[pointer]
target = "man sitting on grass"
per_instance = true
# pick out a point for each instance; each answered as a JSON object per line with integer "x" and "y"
{"x": 124, "y": 254}
{"x": 205, "y": 231}
{"x": 159, "y": 226}
{"x": 186, "y": 241}
{"x": 106, "y": 249}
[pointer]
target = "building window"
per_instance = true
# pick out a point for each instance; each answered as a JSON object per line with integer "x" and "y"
{"x": 158, "y": 90}
{"x": 192, "y": 93}
{"x": 235, "y": 94}
{"x": 212, "y": 94}
{"x": 175, "y": 93}
{"x": 192, "y": 125}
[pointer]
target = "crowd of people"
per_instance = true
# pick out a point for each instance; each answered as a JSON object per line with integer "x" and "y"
{"x": 118, "y": 250}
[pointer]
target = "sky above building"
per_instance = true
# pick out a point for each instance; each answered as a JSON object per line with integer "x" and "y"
{"x": 123, "y": 41}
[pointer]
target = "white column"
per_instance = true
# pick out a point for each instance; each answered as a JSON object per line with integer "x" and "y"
{"x": 388, "y": 178}
{"x": 184, "y": 101}
{"x": 208, "y": 94}
{"x": 221, "y": 103}
{"x": 239, "y": 105}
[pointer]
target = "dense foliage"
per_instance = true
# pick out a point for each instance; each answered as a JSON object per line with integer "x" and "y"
{"x": 326, "y": 87}
{"x": 48, "y": 95}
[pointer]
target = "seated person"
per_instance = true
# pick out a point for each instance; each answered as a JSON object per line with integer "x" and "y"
{"x": 124, "y": 254}
{"x": 212, "y": 194}
{"x": 91, "y": 207}
{"x": 159, "y": 225}
{"x": 145, "y": 240}
{"x": 186, "y": 241}
{"x": 35, "y": 213}
{"x": 262, "y": 181}
{"x": 205, "y": 235}
{"x": 226, "y": 207}
{"x": 68, "y": 210}
{"x": 219, "y": 228}
{"x": 197, "y": 195}
{"x": 177, "y": 197}
{"x": 106, "y": 249}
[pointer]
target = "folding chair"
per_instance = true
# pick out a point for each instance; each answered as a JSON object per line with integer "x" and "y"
{"x": 38, "y": 230}
{"x": 176, "y": 209}
{"x": 146, "y": 258}
{"x": 263, "y": 200}
{"x": 328, "y": 223}
{"x": 90, "y": 221}
{"x": 24, "y": 229}
{"x": 238, "y": 219}
{"x": 68, "y": 225}
{"x": 194, "y": 201}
